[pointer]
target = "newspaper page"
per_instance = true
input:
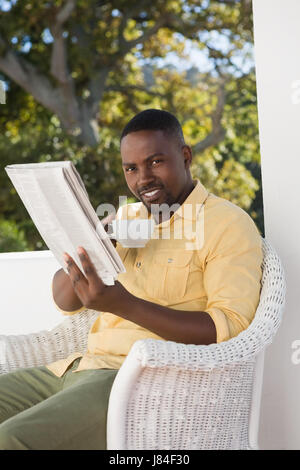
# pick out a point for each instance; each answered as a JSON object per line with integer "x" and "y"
{"x": 57, "y": 201}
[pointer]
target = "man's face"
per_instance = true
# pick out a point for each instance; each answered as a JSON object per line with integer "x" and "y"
{"x": 156, "y": 167}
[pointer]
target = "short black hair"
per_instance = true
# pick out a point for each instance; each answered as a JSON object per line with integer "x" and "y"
{"x": 155, "y": 120}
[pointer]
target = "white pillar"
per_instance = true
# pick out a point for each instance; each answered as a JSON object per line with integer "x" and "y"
{"x": 277, "y": 56}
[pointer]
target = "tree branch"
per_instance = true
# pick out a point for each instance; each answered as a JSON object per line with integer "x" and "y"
{"x": 64, "y": 14}
{"x": 218, "y": 132}
{"x": 96, "y": 88}
{"x": 27, "y": 76}
{"x": 121, "y": 40}
{"x": 97, "y": 85}
{"x": 59, "y": 67}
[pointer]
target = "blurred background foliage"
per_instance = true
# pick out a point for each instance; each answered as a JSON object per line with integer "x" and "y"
{"x": 76, "y": 71}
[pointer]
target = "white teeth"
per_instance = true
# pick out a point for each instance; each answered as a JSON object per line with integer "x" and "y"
{"x": 151, "y": 193}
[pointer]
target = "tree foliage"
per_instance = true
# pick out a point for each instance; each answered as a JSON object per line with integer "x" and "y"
{"x": 77, "y": 71}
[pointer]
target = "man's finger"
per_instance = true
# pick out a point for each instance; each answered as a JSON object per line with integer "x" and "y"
{"x": 88, "y": 267}
{"x": 78, "y": 280}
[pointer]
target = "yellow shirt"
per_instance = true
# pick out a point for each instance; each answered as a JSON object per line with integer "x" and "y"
{"x": 206, "y": 257}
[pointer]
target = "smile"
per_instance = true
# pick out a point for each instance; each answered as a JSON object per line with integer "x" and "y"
{"x": 151, "y": 195}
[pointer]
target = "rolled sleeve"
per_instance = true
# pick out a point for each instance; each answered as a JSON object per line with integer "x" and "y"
{"x": 232, "y": 276}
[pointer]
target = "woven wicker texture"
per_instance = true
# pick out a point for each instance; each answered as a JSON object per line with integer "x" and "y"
{"x": 197, "y": 397}
{"x": 44, "y": 347}
{"x": 169, "y": 395}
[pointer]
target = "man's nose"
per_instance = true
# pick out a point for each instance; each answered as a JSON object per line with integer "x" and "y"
{"x": 145, "y": 177}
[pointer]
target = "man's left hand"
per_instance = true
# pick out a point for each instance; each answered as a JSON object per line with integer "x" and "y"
{"x": 90, "y": 289}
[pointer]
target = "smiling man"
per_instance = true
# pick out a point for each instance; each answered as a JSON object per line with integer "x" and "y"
{"x": 173, "y": 289}
{"x": 156, "y": 162}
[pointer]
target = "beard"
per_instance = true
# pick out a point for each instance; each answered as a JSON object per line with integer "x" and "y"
{"x": 163, "y": 208}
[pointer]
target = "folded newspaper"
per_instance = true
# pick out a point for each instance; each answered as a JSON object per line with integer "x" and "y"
{"x": 57, "y": 201}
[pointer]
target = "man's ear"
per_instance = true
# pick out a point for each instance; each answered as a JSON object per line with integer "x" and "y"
{"x": 187, "y": 154}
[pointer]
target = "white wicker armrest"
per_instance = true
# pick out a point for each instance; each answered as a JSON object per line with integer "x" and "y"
{"x": 176, "y": 396}
{"x": 44, "y": 347}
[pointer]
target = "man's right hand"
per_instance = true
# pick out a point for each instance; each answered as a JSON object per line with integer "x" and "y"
{"x": 63, "y": 292}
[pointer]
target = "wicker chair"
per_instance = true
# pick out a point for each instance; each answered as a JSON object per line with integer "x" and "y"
{"x": 168, "y": 395}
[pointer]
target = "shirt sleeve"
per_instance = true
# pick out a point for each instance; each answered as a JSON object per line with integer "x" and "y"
{"x": 65, "y": 312}
{"x": 232, "y": 276}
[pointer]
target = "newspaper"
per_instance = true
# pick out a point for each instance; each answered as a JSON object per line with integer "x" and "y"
{"x": 57, "y": 201}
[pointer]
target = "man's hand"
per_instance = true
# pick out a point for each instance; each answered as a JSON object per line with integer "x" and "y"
{"x": 90, "y": 289}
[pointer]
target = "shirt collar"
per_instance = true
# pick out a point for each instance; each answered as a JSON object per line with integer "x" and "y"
{"x": 188, "y": 210}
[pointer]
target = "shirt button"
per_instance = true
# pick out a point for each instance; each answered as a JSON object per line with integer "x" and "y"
{"x": 138, "y": 264}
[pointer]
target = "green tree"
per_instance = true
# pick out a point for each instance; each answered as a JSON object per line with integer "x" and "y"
{"x": 11, "y": 237}
{"x": 77, "y": 72}
{"x": 68, "y": 53}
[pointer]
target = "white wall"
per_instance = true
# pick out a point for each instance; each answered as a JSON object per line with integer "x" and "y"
{"x": 277, "y": 55}
{"x": 26, "y": 304}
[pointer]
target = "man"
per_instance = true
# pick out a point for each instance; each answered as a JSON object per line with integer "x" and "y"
{"x": 200, "y": 284}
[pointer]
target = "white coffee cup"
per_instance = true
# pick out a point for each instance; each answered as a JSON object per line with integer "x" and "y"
{"x": 132, "y": 233}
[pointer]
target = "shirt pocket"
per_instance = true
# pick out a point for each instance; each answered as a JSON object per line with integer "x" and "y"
{"x": 168, "y": 277}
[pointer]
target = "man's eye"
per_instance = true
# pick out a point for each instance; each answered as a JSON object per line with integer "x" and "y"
{"x": 129, "y": 169}
{"x": 156, "y": 161}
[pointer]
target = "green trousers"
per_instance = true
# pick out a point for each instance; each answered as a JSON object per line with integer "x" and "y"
{"x": 39, "y": 411}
